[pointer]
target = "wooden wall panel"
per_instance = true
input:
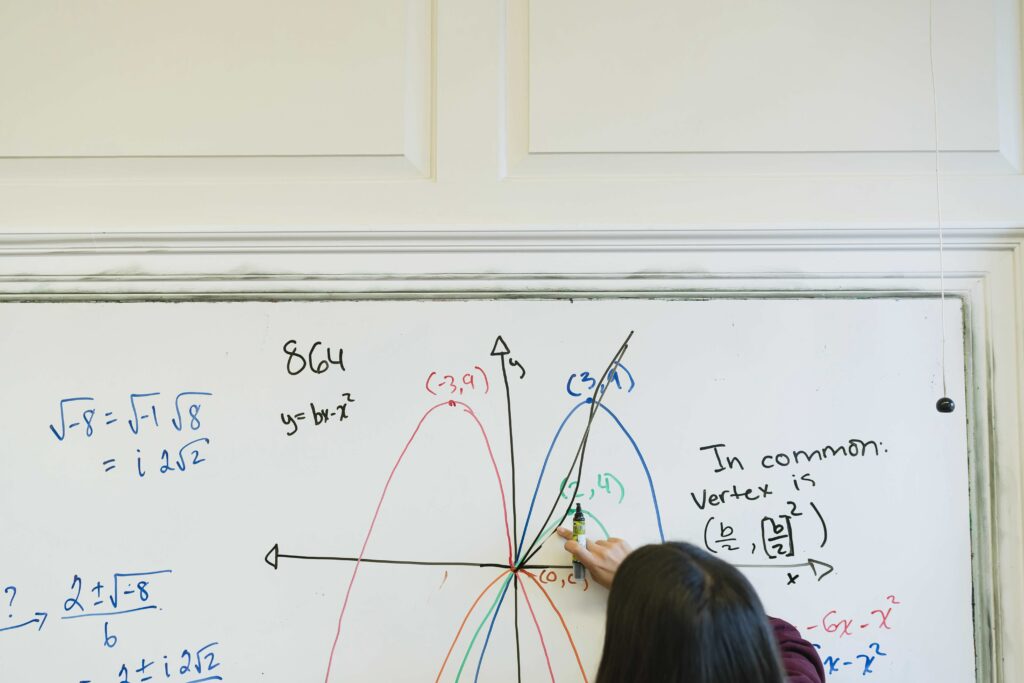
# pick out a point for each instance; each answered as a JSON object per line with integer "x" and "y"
{"x": 740, "y": 87}
{"x": 218, "y": 78}
{"x": 740, "y": 75}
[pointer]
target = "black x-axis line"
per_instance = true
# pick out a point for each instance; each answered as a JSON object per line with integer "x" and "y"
{"x": 273, "y": 557}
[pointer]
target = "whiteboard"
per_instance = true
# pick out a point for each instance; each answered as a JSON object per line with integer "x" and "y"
{"x": 186, "y": 488}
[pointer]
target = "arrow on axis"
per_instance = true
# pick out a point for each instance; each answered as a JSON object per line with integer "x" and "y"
{"x": 500, "y": 348}
{"x": 818, "y": 568}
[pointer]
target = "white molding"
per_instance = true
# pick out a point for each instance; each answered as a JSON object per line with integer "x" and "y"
{"x": 1010, "y": 81}
{"x": 447, "y": 241}
{"x": 412, "y": 165}
{"x": 421, "y": 87}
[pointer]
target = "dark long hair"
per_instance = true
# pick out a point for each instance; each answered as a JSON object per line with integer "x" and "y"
{"x": 677, "y": 614}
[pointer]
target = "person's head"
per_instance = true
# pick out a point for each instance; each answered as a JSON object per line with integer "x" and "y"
{"x": 677, "y": 614}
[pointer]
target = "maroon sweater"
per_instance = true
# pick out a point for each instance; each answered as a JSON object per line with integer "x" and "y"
{"x": 799, "y": 658}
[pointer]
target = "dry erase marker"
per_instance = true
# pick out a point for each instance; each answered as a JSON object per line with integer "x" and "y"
{"x": 579, "y": 534}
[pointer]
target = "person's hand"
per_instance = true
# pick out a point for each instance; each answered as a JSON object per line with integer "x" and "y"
{"x": 601, "y": 558}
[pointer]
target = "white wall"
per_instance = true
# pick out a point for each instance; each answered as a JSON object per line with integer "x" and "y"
{"x": 317, "y": 148}
{"x": 234, "y": 115}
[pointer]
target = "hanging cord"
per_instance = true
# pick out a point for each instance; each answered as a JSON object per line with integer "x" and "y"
{"x": 945, "y": 404}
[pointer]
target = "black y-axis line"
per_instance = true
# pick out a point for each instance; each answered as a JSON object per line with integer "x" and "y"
{"x": 501, "y": 349}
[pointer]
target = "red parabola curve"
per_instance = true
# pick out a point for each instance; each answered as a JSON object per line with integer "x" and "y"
{"x": 369, "y": 532}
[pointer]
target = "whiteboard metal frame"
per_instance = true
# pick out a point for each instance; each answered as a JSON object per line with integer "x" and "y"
{"x": 985, "y": 269}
